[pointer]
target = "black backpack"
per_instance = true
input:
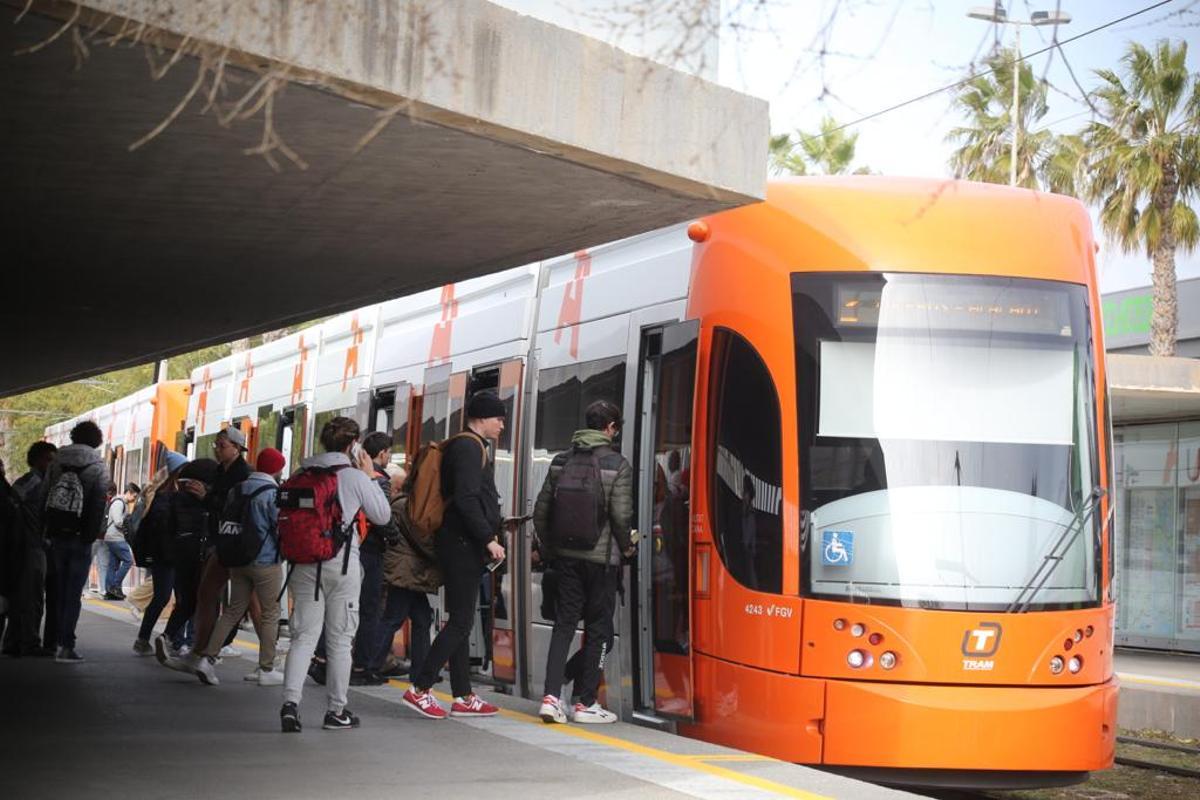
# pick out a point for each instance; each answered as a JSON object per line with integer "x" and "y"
{"x": 64, "y": 504}
{"x": 238, "y": 541}
{"x": 577, "y": 511}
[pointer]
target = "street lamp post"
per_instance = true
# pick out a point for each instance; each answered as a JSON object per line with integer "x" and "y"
{"x": 998, "y": 15}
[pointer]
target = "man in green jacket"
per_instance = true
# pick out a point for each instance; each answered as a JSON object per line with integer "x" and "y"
{"x": 592, "y": 478}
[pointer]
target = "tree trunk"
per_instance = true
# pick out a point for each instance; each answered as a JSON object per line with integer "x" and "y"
{"x": 1164, "y": 321}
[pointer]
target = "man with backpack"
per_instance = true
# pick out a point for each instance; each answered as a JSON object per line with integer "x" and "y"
{"x": 584, "y": 517}
{"x": 247, "y": 545}
{"x": 72, "y": 499}
{"x": 120, "y": 556}
{"x": 323, "y": 512}
{"x": 26, "y": 600}
{"x": 467, "y": 537}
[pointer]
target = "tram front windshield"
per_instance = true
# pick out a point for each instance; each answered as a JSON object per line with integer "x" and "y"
{"x": 948, "y": 454}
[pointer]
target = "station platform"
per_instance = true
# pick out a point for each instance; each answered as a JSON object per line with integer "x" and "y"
{"x": 1159, "y": 691}
{"x": 122, "y": 725}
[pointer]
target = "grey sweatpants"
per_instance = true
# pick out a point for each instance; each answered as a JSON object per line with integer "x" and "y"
{"x": 336, "y": 609}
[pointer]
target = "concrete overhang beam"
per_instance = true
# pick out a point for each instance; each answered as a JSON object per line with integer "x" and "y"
{"x": 440, "y": 141}
{"x": 1153, "y": 389}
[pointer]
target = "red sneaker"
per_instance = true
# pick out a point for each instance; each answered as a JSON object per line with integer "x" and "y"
{"x": 425, "y": 704}
{"x": 472, "y": 706}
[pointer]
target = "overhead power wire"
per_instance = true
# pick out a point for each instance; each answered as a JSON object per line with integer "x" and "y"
{"x": 973, "y": 76}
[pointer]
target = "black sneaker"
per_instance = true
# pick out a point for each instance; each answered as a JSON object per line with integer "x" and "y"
{"x": 289, "y": 718}
{"x": 340, "y": 722}
{"x": 316, "y": 671}
{"x": 67, "y": 655}
{"x": 366, "y": 677}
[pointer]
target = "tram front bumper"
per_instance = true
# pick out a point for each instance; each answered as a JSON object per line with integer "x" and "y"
{"x": 984, "y": 728}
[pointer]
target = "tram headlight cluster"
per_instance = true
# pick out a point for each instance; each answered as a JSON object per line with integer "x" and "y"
{"x": 860, "y": 658}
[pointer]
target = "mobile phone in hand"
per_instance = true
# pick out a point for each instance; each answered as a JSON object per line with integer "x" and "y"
{"x": 492, "y": 566}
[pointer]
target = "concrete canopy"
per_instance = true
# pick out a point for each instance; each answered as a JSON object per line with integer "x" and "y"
{"x": 1153, "y": 389}
{"x": 514, "y": 141}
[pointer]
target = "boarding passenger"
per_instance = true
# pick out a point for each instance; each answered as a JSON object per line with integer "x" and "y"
{"x": 72, "y": 502}
{"x": 468, "y": 537}
{"x": 120, "y": 556}
{"x": 326, "y": 593}
{"x": 28, "y": 589}
{"x": 412, "y": 573}
{"x": 583, "y": 518}
{"x": 187, "y": 538}
{"x": 251, "y": 506}
{"x": 153, "y": 548}
{"x": 229, "y": 448}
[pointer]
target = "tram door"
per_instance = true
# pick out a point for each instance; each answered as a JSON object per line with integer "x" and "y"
{"x": 664, "y": 452}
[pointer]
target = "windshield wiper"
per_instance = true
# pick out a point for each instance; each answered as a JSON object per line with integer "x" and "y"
{"x": 1057, "y": 554}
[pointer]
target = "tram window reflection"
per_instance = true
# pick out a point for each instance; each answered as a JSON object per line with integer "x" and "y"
{"x": 746, "y": 469}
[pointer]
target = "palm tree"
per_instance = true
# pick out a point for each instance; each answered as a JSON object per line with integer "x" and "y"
{"x": 985, "y": 143}
{"x": 829, "y": 151}
{"x": 1141, "y": 164}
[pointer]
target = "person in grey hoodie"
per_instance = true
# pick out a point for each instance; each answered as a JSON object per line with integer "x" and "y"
{"x": 71, "y": 551}
{"x": 336, "y": 604}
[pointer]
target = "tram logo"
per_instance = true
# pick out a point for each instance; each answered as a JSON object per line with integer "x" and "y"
{"x": 983, "y": 641}
{"x": 837, "y": 548}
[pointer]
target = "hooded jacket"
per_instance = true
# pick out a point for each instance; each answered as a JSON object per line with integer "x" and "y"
{"x": 356, "y": 492}
{"x": 93, "y": 474}
{"x": 616, "y": 476}
{"x": 408, "y": 564}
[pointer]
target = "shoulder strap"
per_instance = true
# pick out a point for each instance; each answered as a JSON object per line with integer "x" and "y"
{"x": 258, "y": 491}
{"x": 474, "y": 437}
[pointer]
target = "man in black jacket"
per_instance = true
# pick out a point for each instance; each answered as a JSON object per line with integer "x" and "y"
{"x": 587, "y": 576}
{"x": 71, "y": 548}
{"x": 468, "y": 536}
{"x": 25, "y": 611}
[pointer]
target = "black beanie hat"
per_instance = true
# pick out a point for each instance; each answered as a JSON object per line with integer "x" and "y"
{"x": 485, "y": 405}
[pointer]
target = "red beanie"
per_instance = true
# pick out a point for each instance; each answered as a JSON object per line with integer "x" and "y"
{"x": 270, "y": 461}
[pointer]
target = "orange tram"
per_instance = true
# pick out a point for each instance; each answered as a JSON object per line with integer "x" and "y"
{"x": 869, "y": 422}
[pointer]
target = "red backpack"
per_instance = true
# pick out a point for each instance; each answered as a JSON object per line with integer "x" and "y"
{"x": 310, "y": 516}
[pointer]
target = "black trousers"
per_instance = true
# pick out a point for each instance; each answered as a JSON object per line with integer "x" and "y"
{"x": 187, "y": 584}
{"x": 26, "y": 605}
{"x": 585, "y": 591}
{"x": 462, "y": 566}
{"x": 163, "y": 575}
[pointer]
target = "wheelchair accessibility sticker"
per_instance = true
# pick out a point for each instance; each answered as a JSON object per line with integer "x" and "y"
{"x": 837, "y": 548}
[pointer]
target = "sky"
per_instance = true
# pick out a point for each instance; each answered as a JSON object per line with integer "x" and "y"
{"x": 881, "y": 52}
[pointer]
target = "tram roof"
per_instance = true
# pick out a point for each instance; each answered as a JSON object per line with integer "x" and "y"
{"x": 918, "y": 225}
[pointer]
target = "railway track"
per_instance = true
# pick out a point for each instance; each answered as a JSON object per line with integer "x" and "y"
{"x": 1171, "y": 769}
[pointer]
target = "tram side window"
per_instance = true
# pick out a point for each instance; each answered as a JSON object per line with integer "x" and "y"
{"x": 565, "y": 392}
{"x": 745, "y": 464}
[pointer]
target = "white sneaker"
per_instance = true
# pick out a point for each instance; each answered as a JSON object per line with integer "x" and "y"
{"x": 206, "y": 671}
{"x": 229, "y": 651}
{"x": 253, "y": 676}
{"x": 271, "y": 677}
{"x": 183, "y": 663}
{"x": 594, "y": 714}
{"x": 552, "y": 710}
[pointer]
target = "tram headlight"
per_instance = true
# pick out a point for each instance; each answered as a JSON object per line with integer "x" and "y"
{"x": 1078, "y": 635}
{"x": 856, "y": 658}
{"x": 857, "y": 629}
{"x": 839, "y": 624}
{"x": 1056, "y": 665}
{"x": 887, "y": 659}
{"x": 1075, "y": 664}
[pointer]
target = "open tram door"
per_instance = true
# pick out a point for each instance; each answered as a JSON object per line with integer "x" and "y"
{"x": 662, "y": 595}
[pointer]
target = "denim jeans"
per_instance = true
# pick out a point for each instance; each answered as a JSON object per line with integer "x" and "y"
{"x": 370, "y": 604}
{"x": 404, "y": 604}
{"x": 120, "y": 559}
{"x": 163, "y": 576}
{"x": 72, "y": 557}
